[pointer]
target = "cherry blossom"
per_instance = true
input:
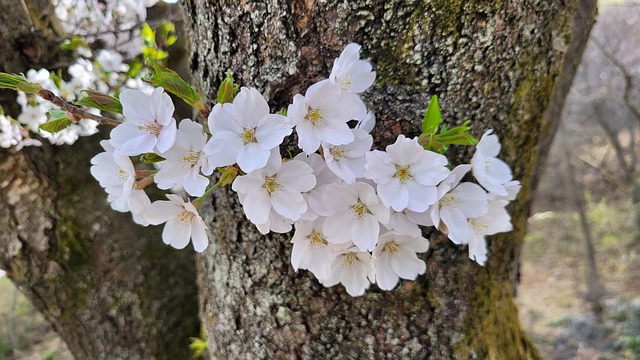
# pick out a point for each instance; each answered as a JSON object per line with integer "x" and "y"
{"x": 353, "y": 269}
{"x": 149, "y": 123}
{"x": 311, "y": 250}
{"x": 406, "y": 175}
{"x": 352, "y": 74}
{"x": 465, "y": 201}
{"x": 395, "y": 257}
{"x": 347, "y": 161}
{"x": 491, "y": 172}
{"x": 244, "y": 132}
{"x": 357, "y": 214}
{"x": 322, "y": 115}
{"x": 278, "y": 186}
{"x": 495, "y": 220}
{"x": 183, "y": 223}
{"x": 116, "y": 175}
{"x": 184, "y": 161}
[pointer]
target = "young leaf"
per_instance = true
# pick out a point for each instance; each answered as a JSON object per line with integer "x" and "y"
{"x": 74, "y": 43}
{"x": 100, "y": 101}
{"x": 432, "y": 118}
{"x": 148, "y": 35}
{"x": 227, "y": 90}
{"x": 150, "y": 158}
{"x": 173, "y": 83}
{"x": 11, "y": 81}
{"x": 457, "y": 139}
{"x": 56, "y": 125}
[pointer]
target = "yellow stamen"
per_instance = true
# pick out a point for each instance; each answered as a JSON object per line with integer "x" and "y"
{"x": 272, "y": 184}
{"x": 349, "y": 259}
{"x": 152, "y": 127}
{"x": 191, "y": 157}
{"x": 248, "y": 135}
{"x": 316, "y": 239}
{"x": 315, "y": 116}
{"x": 337, "y": 152}
{"x": 391, "y": 248}
{"x": 403, "y": 173}
{"x": 359, "y": 210}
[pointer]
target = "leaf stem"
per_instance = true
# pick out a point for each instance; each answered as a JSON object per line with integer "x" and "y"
{"x": 197, "y": 202}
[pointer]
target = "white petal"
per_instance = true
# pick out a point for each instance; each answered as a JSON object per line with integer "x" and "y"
{"x": 199, "y": 234}
{"x": 289, "y": 204}
{"x": 222, "y": 149}
{"x": 386, "y": 278}
{"x": 457, "y": 224}
{"x": 394, "y": 194}
{"x": 177, "y": 233}
{"x": 364, "y": 232}
{"x": 252, "y": 156}
{"x": 257, "y": 206}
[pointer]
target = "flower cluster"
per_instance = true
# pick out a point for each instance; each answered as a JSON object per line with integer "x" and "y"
{"x": 357, "y": 212}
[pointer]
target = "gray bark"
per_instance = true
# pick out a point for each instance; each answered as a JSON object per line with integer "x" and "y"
{"x": 110, "y": 288}
{"x": 503, "y": 65}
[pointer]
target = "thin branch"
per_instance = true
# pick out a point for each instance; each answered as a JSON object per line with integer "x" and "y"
{"x": 75, "y": 112}
{"x": 628, "y": 77}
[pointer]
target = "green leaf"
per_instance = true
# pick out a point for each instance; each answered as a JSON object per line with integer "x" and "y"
{"x": 134, "y": 68}
{"x": 148, "y": 35}
{"x": 173, "y": 83}
{"x": 57, "y": 114}
{"x": 432, "y": 118}
{"x": 54, "y": 126}
{"x": 101, "y": 101}
{"x": 457, "y": 139}
{"x": 29, "y": 87}
{"x": 11, "y": 81}
{"x": 227, "y": 90}
{"x": 150, "y": 158}
{"x": 74, "y": 43}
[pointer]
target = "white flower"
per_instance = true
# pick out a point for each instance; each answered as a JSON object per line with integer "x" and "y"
{"x": 407, "y": 221}
{"x": 491, "y": 172}
{"x": 278, "y": 186}
{"x": 347, "y": 161}
{"x": 352, "y": 74}
{"x": 512, "y": 188}
{"x": 110, "y": 60}
{"x": 311, "y": 250}
{"x": 465, "y": 201}
{"x": 406, "y": 175}
{"x": 184, "y": 161}
{"x": 149, "y": 123}
{"x": 353, "y": 269}
{"x": 116, "y": 175}
{"x": 368, "y": 123}
{"x": 183, "y": 223}
{"x": 322, "y": 115}
{"x": 244, "y": 132}
{"x": 357, "y": 214}
{"x": 495, "y": 220}
{"x": 33, "y": 117}
{"x": 395, "y": 257}
{"x": 324, "y": 177}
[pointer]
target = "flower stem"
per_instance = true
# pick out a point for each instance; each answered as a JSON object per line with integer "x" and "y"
{"x": 197, "y": 202}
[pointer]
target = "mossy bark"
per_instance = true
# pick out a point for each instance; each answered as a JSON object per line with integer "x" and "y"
{"x": 110, "y": 288}
{"x": 505, "y": 65}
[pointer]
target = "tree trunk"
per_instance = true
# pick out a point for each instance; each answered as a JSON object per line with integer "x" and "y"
{"x": 505, "y": 65}
{"x": 109, "y": 287}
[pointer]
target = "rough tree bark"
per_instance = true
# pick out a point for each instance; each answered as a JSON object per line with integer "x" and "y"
{"x": 110, "y": 288}
{"x": 497, "y": 63}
